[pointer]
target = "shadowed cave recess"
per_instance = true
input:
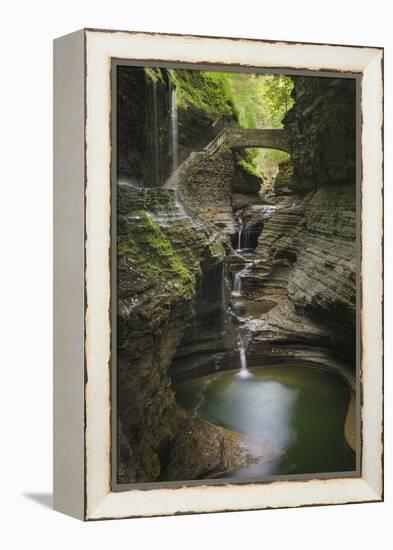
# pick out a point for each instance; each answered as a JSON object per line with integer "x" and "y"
{"x": 236, "y": 275}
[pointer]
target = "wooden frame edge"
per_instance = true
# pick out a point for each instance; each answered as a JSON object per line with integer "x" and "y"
{"x": 373, "y": 485}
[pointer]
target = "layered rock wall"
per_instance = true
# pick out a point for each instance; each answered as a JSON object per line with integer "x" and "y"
{"x": 143, "y": 125}
{"x": 160, "y": 253}
{"x": 172, "y": 289}
{"x": 309, "y": 246}
{"x": 322, "y": 132}
{"x": 310, "y": 250}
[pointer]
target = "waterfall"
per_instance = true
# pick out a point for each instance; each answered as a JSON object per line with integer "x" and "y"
{"x": 239, "y": 237}
{"x": 223, "y": 293}
{"x": 237, "y": 287}
{"x": 173, "y": 180}
{"x": 244, "y": 372}
{"x": 156, "y": 136}
{"x": 174, "y": 131}
{"x": 247, "y": 238}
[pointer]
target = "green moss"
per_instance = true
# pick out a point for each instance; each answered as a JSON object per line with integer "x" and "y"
{"x": 154, "y": 74}
{"x": 158, "y": 200}
{"x": 146, "y": 246}
{"x": 207, "y": 91}
{"x": 248, "y": 167}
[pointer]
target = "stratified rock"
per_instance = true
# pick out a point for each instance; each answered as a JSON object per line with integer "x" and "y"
{"x": 173, "y": 321}
{"x": 206, "y": 187}
{"x": 160, "y": 252}
{"x": 309, "y": 249}
{"x": 322, "y": 128}
{"x": 203, "y": 451}
{"x": 143, "y": 134}
{"x": 245, "y": 181}
{"x": 306, "y": 254}
{"x": 283, "y": 183}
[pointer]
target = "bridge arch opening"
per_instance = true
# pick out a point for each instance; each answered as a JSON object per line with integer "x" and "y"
{"x": 267, "y": 162}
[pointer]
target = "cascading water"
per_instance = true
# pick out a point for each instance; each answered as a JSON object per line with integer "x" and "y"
{"x": 237, "y": 287}
{"x": 244, "y": 372}
{"x": 239, "y": 237}
{"x": 223, "y": 292}
{"x": 174, "y": 130}
{"x": 156, "y": 135}
{"x": 173, "y": 180}
{"x": 246, "y": 238}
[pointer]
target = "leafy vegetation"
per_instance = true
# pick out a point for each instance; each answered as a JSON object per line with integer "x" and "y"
{"x": 268, "y": 162}
{"x": 205, "y": 90}
{"x": 154, "y": 74}
{"x": 254, "y": 100}
{"x": 276, "y": 97}
{"x": 262, "y": 101}
{"x": 251, "y": 100}
{"x": 247, "y": 159}
{"x": 151, "y": 250}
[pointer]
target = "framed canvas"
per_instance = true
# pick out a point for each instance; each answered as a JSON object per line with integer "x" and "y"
{"x": 218, "y": 274}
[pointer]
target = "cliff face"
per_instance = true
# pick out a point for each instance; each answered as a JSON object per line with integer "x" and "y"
{"x": 322, "y": 127}
{"x": 308, "y": 245}
{"x": 175, "y": 259}
{"x": 211, "y": 184}
{"x": 143, "y": 129}
{"x": 162, "y": 116}
{"x": 309, "y": 251}
{"x": 169, "y": 268}
{"x": 160, "y": 255}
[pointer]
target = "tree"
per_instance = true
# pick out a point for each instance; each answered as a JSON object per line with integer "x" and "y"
{"x": 276, "y": 93}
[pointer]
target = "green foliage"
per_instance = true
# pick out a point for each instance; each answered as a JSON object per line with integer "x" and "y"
{"x": 157, "y": 202}
{"x": 149, "y": 248}
{"x": 246, "y": 91}
{"x": 261, "y": 100}
{"x": 276, "y": 95}
{"x": 252, "y": 100}
{"x": 268, "y": 163}
{"x": 248, "y": 167}
{"x": 153, "y": 73}
{"x": 205, "y": 90}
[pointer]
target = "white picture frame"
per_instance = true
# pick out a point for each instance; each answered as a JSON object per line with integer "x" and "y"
{"x": 82, "y": 335}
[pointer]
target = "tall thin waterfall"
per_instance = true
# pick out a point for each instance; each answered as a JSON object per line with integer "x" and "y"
{"x": 223, "y": 292}
{"x": 244, "y": 372}
{"x": 174, "y": 130}
{"x": 156, "y": 135}
{"x": 239, "y": 237}
{"x": 246, "y": 238}
{"x": 237, "y": 287}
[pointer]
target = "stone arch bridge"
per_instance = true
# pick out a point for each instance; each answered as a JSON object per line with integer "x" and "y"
{"x": 240, "y": 138}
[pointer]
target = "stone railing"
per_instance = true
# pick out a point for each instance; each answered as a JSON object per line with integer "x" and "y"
{"x": 238, "y": 138}
{"x": 217, "y": 141}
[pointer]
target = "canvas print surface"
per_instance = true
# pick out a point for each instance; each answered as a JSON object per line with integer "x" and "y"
{"x": 236, "y": 275}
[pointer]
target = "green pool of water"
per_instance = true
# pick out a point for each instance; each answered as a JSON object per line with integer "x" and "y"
{"x": 251, "y": 308}
{"x": 298, "y": 410}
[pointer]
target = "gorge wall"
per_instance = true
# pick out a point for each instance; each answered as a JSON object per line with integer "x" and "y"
{"x": 308, "y": 245}
{"x": 322, "y": 128}
{"x": 176, "y": 256}
{"x": 169, "y": 274}
{"x": 143, "y": 125}
{"x": 160, "y": 254}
